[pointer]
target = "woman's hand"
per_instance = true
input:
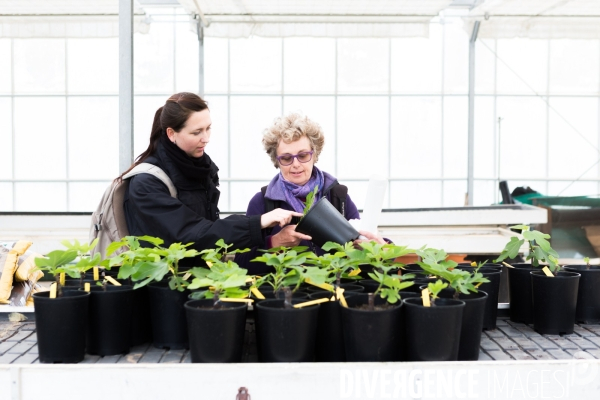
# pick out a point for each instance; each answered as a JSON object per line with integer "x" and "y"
{"x": 288, "y": 237}
{"x": 369, "y": 238}
{"x": 278, "y": 216}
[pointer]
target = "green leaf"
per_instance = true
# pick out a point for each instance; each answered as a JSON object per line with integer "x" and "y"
{"x": 511, "y": 250}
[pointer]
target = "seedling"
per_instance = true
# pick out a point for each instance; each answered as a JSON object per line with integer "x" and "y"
{"x": 434, "y": 290}
{"x": 57, "y": 262}
{"x": 310, "y": 199}
{"x": 85, "y": 263}
{"x": 339, "y": 264}
{"x": 539, "y": 248}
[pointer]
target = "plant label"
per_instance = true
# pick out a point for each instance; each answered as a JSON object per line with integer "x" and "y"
{"x": 257, "y": 293}
{"x": 209, "y": 264}
{"x": 473, "y": 264}
{"x": 340, "y": 295}
{"x": 112, "y": 280}
{"x": 96, "y": 274}
{"x": 425, "y": 297}
{"x": 234, "y": 300}
{"x": 547, "y": 271}
{"x": 187, "y": 276}
{"x": 311, "y": 303}
{"x": 53, "y": 290}
{"x": 325, "y": 286}
{"x": 354, "y": 272}
{"x": 62, "y": 279}
{"x": 507, "y": 264}
{"x": 86, "y": 286}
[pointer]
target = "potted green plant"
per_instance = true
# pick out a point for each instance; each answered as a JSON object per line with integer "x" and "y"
{"x": 588, "y": 295}
{"x": 60, "y": 316}
{"x": 285, "y": 333}
{"x": 423, "y": 319}
{"x": 491, "y": 272}
{"x": 216, "y": 326}
{"x": 553, "y": 291}
{"x": 372, "y": 322}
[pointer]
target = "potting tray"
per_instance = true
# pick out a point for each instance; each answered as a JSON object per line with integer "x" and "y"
{"x": 510, "y": 341}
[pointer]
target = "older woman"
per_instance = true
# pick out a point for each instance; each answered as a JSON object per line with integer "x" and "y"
{"x": 294, "y": 144}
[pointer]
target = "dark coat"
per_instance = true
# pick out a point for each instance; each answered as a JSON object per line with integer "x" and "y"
{"x": 257, "y": 207}
{"x": 192, "y": 217}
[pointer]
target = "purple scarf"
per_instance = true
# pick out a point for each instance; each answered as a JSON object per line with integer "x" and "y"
{"x": 293, "y": 193}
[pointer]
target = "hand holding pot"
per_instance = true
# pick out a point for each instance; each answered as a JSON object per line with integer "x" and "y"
{"x": 278, "y": 216}
{"x": 288, "y": 237}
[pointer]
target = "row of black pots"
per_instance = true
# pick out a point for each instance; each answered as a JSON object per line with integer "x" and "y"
{"x": 553, "y": 304}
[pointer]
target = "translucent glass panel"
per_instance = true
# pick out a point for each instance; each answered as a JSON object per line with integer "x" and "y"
{"x": 575, "y": 189}
{"x": 6, "y": 196}
{"x": 242, "y": 192}
{"x": 41, "y": 140}
{"x": 256, "y": 65}
{"x": 216, "y": 65}
{"x": 84, "y": 196}
{"x": 574, "y": 66}
{"x": 154, "y": 60}
{"x": 93, "y": 137}
{"x": 357, "y": 191}
{"x": 41, "y": 196}
{"x": 485, "y": 66}
{"x": 250, "y": 116}
{"x": 93, "y": 66}
{"x": 186, "y": 59}
{"x": 573, "y": 138}
{"x": 363, "y": 65}
{"x": 522, "y": 67}
{"x": 5, "y": 67}
{"x": 416, "y": 137}
{"x": 416, "y": 194}
{"x": 456, "y": 113}
{"x": 363, "y": 137}
{"x": 39, "y": 66}
{"x": 144, "y": 108}
{"x": 486, "y": 192}
{"x": 6, "y": 135}
{"x": 309, "y": 57}
{"x": 456, "y": 57}
{"x": 218, "y": 147}
{"x": 522, "y": 138}
{"x": 320, "y": 109}
{"x": 417, "y": 63}
{"x": 485, "y": 160}
{"x": 454, "y": 193}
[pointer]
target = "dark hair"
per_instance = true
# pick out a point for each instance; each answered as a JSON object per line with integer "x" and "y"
{"x": 174, "y": 114}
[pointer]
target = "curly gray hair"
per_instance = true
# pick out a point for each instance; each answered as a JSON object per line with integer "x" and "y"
{"x": 289, "y": 129}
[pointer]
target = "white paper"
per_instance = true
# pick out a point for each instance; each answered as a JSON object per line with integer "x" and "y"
{"x": 373, "y": 203}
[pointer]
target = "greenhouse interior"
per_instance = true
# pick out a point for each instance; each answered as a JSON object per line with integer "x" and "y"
{"x": 399, "y": 198}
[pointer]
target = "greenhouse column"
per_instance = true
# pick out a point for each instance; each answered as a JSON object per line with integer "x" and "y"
{"x": 125, "y": 84}
{"x": 471, "y": 136}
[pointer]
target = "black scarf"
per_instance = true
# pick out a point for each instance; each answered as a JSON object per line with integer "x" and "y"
{"x": 194, "y": 169}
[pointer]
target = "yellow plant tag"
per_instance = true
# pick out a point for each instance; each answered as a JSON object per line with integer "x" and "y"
{"x": 111, "y": 280}
{"x": 187, "y": 276}
{"x": 507, "y": 264}
{"x": 209, "y": 264}
{"x": 249, "y": 279}
{"x": 340, "y": 295}
{"x": 62, "y": 279}
{"x": 311, "y": 303}
{"x": 332, "y": 298}
{"x": 354, "y": 272}
{"x": 547, "y": 271}
{"x": 96, "y": 274}
{"x": 473, "y": 264}
{"x": 86, "y": 286}
{"x": 425, "y": 297}
{"x": 232, "y": 300}
{"x": 53, "y": 290}
{"x": 325, "y": 286}
{"x": 257, "y": 293}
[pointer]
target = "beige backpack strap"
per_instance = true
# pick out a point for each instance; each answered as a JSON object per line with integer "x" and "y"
{"x": 146, "y": 168}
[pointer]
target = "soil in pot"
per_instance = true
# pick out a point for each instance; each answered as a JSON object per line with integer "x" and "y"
{"x": 423, "y": 324}
{"x": 372, "y": 335}
{"x": 519, "y": 289}
{"x": 588, "y": 295}
{"x": 324, "y": 223}
{"x": 472, "y": 323}
{"x": 286, "y": 335}
{"x": 61, "y": 326}
{"x": 554, "y": 302}
{"x": 109, "y": 326}
{"x": 216, "y": 334}
{"x": 167, "y": 315}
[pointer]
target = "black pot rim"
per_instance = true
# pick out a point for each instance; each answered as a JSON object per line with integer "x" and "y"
{"x": 393, "y": 307}
{"x": 231, "y": 306}
{"x": 265, "y": 307}
{"x": 564, "y": 275}
{"x": 418, "y": 302}
{"x": 582, "y": 268}
{"x": 72, "y": 295}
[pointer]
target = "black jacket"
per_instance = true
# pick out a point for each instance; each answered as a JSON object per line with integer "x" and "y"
{"x": 192, "y": 217}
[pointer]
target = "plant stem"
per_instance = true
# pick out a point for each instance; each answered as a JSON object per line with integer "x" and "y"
{"x": 287, "y": 302}
{"x": 81, "y": 276}
{"x": 371, "y": 302}
{"x": 338, "y": 278}
{"x": 59, "y": 291}
{"x": 216, "y": 299}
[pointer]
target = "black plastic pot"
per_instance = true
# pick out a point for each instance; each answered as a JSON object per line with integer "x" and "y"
{"x": 109, "y": 326}
{"x": 370, "y": 285}
{"x": 141, "y": 325}
{"x": 167, "y": 315}
{"x": 325, "y": 224}
{"x": 554, "y": 302}
{"x": 492, "y": 272}
{"x": 285, "y": 335}
{"x": 408, "y": 268}
{"x": 329, "y": 345}
{"x": 519, "y": 289}
{"x": 471, "y": 327}
{"x": 216, "y": 335}
{"x": 372, "y": 335}
{"x": 588, "y": 295}
{"x": 433, "y": 333}
{"x": 60, "y": 325}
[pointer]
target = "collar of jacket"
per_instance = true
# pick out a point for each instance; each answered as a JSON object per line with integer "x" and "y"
{"x": 279, "y": 196}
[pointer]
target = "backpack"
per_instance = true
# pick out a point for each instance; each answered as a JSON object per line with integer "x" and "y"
{"x": 338, "y": 199}
{"x": 108, "y": 221}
